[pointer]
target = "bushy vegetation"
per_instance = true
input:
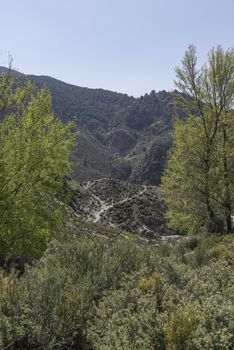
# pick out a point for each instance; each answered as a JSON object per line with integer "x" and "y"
{"x": 90, "y": 289}
{"x": 102, "y": 294}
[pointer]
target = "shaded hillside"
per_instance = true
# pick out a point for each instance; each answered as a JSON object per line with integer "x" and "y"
{"x": 121, "y": 137}
{"x": 121, "y": 205}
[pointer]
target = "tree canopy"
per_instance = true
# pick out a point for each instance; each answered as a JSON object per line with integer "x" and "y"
{"x": 198, "y": 181}
{"x": 35, "y": 150}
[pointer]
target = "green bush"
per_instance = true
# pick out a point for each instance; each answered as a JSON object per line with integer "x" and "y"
{"x": 93, "y": 293}
{"x": 181, "y": 328}
{"x": 132, "y": 317}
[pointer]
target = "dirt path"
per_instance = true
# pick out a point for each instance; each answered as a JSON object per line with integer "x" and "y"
{"x": 104, "y": 207}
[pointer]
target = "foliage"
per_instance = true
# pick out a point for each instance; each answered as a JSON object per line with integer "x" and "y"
{"x": 132, "y": 317}
{"x": 158, "y": 312}
{"x": 34, "y": 159}
{"x": 93, "y": 293}
{"x": 59, "y": 294}
{"x": 97, "y": 291}
{"x": 181, "y": 327}
{"x": 198, "y": 180}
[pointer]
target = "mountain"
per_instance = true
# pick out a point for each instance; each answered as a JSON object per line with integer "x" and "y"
{"x": 119, "y": 136}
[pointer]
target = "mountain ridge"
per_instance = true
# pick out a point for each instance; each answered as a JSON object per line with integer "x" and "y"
{"x": 120, "y": 136}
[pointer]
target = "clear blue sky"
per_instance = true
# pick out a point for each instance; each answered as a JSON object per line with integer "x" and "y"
{"x": 128, "y": 46}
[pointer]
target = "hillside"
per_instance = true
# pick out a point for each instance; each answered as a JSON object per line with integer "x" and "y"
{"x": 122, "y": 137}
{"x": 133, "y": 208}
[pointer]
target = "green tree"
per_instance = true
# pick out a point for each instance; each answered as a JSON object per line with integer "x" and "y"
{"x": 6, "y": 83}
{"x": 199, "y": 178}
{"x": 35, "y": 149}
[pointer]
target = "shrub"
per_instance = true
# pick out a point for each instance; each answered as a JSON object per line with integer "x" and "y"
{"x": 132, "y": 317}
{"x": 181, "y": 328}
{"x": 120, "y": 295}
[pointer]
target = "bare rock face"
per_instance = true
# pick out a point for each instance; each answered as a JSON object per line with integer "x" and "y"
{"x": 133, "y": 208}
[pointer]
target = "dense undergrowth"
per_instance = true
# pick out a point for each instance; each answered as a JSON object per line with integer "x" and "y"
{"x": 96, "y": 293}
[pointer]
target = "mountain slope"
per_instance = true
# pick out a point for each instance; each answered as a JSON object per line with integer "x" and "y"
{"x": 121, "y": 205}
{"x": 121, "y": 137}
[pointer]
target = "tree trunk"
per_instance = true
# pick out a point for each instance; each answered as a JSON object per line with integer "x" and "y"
{"x": 227, "y": 194}
{"x": 210, "y": 212}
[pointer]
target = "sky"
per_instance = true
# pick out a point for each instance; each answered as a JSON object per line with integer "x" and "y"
{"x": 129, "y": 46}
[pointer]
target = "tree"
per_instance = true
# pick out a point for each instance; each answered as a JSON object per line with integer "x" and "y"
{"x": 35, "y": 149}
{"x": 6, "y": 82}
{"x": 199, "y": 178}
